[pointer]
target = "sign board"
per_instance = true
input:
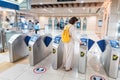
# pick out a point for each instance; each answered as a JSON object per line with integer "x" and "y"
{"x": 25, "y": 5}
{"x": 39, "y": 70}
{"x": 64, "y": 0}
{"x": 15, "y": 1}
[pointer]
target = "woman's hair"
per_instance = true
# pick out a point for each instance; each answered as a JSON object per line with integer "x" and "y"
{"x": 73, "y": 20}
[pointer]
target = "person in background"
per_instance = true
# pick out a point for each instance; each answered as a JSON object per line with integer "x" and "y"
{"x": 30, "y": 25}
{"x": 69, "y": 46}
{"x": 36, "y": 27}
{"x": 20, "y": 24}
{"x": 6, "y": 23}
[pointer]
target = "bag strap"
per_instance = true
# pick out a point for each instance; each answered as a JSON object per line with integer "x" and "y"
{"x": 67, "y": 26}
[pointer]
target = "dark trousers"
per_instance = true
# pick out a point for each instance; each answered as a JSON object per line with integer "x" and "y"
{"x": 36, "y": 31}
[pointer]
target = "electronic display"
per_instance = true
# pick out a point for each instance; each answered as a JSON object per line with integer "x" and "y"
{"x": 84, "y": 41}
{"x": 114, "y": 43}
{"x": 34, "y": 38}
{"x": 57, "y": 39}
{"x": 78, "y": 24}
{"x": 100, "y": 23}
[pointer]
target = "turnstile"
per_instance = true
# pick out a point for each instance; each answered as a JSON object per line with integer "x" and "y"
{"x": 110, "y": 57}
{"x": 17, "y": 47}
{"x": 8, "y": 35}
{"x": 83, "y": 55}
{"x": 39, "y": 48}
{"x": 57, "y": 52}
{"x": 2, "y": 40}
{"x": 84, "y": 48}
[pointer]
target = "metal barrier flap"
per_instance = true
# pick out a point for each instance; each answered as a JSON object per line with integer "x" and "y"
{"x": 47, "y": 40}
{"x": 27, "y": 38}
{"x": 90, "y": 43}
{"x": 102, "y": 45}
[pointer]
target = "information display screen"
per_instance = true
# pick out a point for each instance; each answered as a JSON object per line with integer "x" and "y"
{"x": 100, "y": 23}
{"x": 114, "y": 43}
{"x": 57, "y": 39}
{"x": 84, "y": 41}
{"x": 34, "y": 38}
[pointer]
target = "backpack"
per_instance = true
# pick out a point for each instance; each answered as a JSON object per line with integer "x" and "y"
{"x": 65, "y": 34}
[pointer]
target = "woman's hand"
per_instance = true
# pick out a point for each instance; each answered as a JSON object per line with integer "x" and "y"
{"x": 81, "y": 43}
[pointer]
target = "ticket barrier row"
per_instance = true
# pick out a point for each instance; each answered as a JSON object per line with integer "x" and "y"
{"x": 110, "y": 56}
{"x": 37, "y": 47}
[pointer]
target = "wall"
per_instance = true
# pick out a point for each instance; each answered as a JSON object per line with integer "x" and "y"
{"x": 113, "y": 19}
{"x": 91, "y": 22}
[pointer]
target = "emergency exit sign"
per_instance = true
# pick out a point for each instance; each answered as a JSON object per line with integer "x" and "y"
{"x": 65, "y": 0}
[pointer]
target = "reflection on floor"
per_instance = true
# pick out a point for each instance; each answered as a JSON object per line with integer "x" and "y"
{"x": 21, "y": 70}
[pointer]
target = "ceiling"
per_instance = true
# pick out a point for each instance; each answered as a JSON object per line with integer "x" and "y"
{"x": 55, "y": 1}
{"x": 72, "y": 8}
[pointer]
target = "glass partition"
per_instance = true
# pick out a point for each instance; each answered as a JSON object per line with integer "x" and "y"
{"x": 67, "y": 21}
{"x": 50, "y": 23}
{"x": 78, "y": 24}
{"x": 84, "y": 24}
{"x": 7, "y": 18}
{"x": 62, "y": 24}
{"x": 56, "y": 24}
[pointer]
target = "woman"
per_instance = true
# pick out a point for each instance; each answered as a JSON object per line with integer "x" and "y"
{"x": 69, "y": 47}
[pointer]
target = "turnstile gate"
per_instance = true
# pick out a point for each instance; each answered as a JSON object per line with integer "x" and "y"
{"x": 39, "y": 48}
{"x": 110, "y": 57}
{"x": 17, "y": 47}
{"x": 57, "y": 52}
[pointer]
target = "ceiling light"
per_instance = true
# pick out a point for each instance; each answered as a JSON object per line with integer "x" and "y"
{"x": 41, "y": 3}
{"x": 84, "y": 8}
{"x": 53, "y": 8}
{"x": 45, "y": 9}
{"x": 81, "y": 1}
{"x": 70, "y": 10}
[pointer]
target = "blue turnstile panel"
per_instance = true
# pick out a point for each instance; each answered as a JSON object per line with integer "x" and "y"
{"x": 27, "y": 38}
{"x": 90, "y": 43}
{"x": 102, "y": 45}
{"x": 57, "y": 39}
{"x": 47, "y": 40}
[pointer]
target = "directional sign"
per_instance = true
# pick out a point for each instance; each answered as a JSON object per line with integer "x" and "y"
{"x": 39, "y": 70}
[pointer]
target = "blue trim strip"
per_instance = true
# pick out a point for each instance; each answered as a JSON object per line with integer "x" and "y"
{"x": 9, "y": 5}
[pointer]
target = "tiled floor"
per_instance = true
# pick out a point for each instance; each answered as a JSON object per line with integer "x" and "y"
{"x": 23, "y": 71}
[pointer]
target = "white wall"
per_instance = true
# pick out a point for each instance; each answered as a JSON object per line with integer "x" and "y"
{"x": 114, "y": 18}
{"x": 91, "y": 22}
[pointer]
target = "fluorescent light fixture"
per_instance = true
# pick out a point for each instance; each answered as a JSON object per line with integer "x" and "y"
{"x": 81, "y": 1}
{"x": 41, "y": 3}
{"x": 84, "y": 8}
{"x": 53, "y": 8}
{"x": 70, "y": 10}
{"x": 20, "y": 1}
{"x": 45, "y": 9}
